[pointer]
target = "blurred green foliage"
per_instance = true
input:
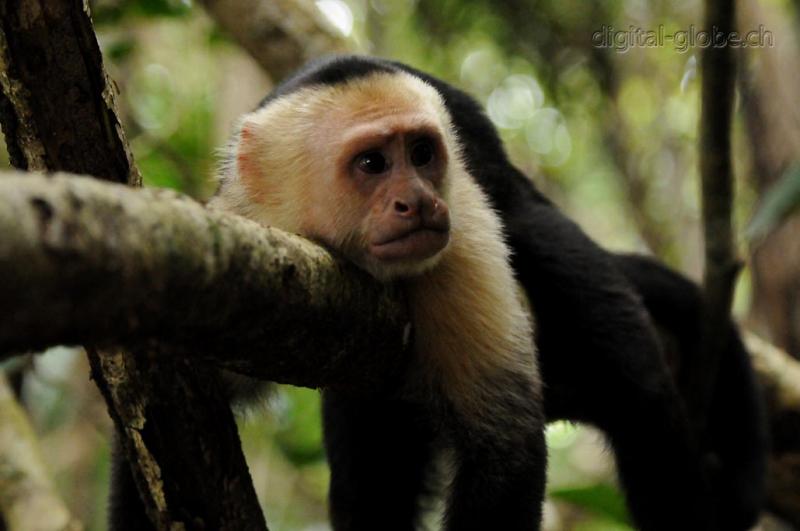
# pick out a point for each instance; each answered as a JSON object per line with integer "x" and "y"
{"x": 120, "y": 11}
{"x": 299, "y": 433}
{"x": 605, "y": 501}
{"x": 780, "y": 201}
{"x": 610, "y": 137}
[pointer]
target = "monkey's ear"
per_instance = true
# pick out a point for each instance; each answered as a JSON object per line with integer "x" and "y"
{"x": 253, "y": 163}
{"x": 246, "y": 152}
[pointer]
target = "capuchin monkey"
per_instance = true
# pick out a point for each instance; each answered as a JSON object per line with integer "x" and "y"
{"x": 372, "y": 168}
{"x": 405, "y": 176}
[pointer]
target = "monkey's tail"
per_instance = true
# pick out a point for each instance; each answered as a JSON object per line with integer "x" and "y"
{"x": 735, "y": 441}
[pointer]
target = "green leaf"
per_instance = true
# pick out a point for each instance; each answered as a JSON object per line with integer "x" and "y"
{"x": 779, "y": 202}
{"x": 601, "y": 499}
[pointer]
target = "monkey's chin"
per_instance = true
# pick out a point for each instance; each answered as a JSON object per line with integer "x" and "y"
{"x": 387, "y": 271}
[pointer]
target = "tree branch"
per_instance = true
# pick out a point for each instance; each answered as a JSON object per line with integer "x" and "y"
{"x": 718, "y": 70}
{"x": 58, "y": 114}
{"x": 778, "y": 372}
{"x": 85, "y": 262}
{"x": 280, "y": 35}
{"x": 28, "y": 499}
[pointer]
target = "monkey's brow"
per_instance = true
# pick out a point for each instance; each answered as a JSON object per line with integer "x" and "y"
{"x": 384, "y": 131}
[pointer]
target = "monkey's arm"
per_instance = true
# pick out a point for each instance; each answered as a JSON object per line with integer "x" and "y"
{"x": 500, "y": 460}
{"x": 378, "y": 451}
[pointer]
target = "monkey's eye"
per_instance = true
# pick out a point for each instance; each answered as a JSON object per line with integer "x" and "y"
{"x": 422, "y": 152}
{"x": 372, "y": 162}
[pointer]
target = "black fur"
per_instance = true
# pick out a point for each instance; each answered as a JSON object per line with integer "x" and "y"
{"x": 381, "y": 452}
{"x": 601, "y": 360}
{"x": 600, "y": 356}
{"x": 735, "y": 442}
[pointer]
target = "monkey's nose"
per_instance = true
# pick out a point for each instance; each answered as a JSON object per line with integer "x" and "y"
{"x": 404, "y": 209}
{"x": 421, "y": 206}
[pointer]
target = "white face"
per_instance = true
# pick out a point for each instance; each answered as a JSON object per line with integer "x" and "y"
{"x": 361, "y": 167}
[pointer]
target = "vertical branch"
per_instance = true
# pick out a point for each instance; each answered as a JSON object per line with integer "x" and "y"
{"x": 58, "y": 93}
{"x": 58, "y": 114}
{"x": 718, "y": 70}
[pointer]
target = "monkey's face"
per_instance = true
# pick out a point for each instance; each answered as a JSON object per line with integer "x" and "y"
{"x": 362, "y": 168}
{"x": 392, "y": 171}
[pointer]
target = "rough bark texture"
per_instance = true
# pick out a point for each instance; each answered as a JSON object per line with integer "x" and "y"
{"x": 58, "y": 113}
{"x": 28, "y": 499}
{"x": 85, "y": 262}
{"x": 61, "y": 114}
{"x": 280, "y": 35}
{"x": 193, "y": 480}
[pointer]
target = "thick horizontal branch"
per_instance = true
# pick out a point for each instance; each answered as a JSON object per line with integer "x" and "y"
{"x": 86, "y": 262}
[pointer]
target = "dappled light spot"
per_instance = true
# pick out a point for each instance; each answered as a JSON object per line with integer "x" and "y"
{"x": 338, "y": 14}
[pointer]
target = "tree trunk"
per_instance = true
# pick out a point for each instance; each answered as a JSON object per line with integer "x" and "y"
{"x": 58, "y": 114}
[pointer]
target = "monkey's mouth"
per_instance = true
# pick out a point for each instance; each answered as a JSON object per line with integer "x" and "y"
{"x": 416, "y": 244}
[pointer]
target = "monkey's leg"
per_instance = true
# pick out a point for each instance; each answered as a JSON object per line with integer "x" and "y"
{"x": 378, "y": 451}
{"x": 501, "y": 464}
{"x": 735, "y": 441}
{"x": 657, "y": 458}
{"x": 620, "y": 382}
{"x": 738, "y": 439}
{"x": 601, "y": 363}
{"x": 125, "y": 508}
